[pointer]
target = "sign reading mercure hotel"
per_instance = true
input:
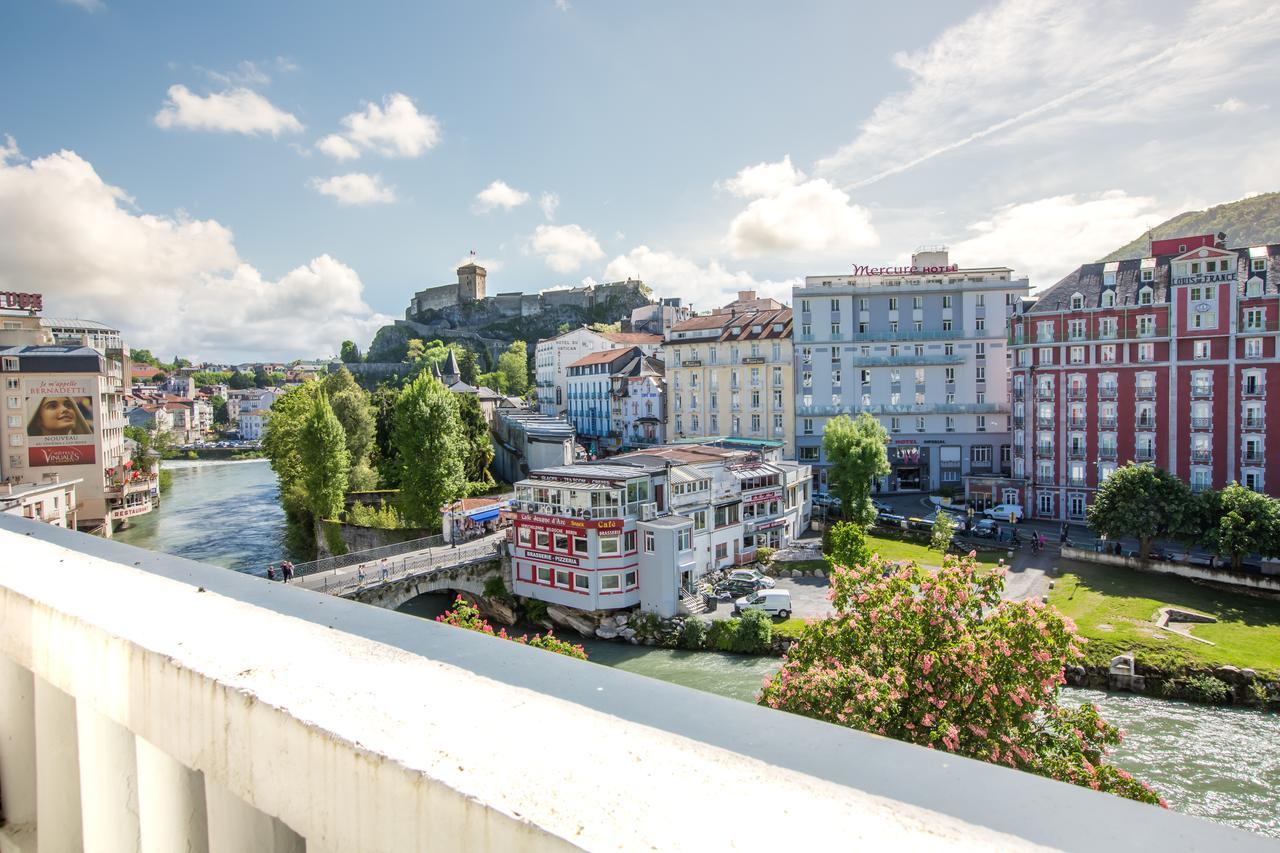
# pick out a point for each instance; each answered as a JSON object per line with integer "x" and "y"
{"x": 863, "y": 269}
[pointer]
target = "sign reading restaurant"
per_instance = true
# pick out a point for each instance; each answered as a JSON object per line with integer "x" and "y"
{"x": 863, "y": 269}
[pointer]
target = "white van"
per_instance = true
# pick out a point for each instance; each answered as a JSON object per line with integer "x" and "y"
{"x": 1004, "y": 512}
{"x": 775, "y": 602}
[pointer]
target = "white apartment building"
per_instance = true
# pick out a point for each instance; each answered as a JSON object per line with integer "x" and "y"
{"x": 641, "y": 529}
{"x": 253, "y": 424}
{"x": 552, "y": 357}
{"x": 923, "y": 348}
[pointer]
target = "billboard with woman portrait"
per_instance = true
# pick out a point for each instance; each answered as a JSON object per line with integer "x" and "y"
{"x": 61, "y": 425}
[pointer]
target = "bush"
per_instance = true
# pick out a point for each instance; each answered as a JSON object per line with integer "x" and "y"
{"x": 535, "y": 610}
{"x": 721, "y": 634}
{"x": 332, "y": 539}
{"x": 382, "y": 516}
{"x": 764, "y": 555}
{"x": 495, "y": 587}
{"x": 1200, "y": 688}
{"x": 694, "y": 634}
{"x": 754, "y": 634}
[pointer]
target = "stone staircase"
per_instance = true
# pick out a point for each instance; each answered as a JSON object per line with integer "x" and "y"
{"x": 694, "y": 603}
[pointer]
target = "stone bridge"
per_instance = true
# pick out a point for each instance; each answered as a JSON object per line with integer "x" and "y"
{"x": 394, "y": 592}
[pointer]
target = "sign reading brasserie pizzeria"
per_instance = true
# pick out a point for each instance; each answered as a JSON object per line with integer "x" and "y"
{"x": 23, "y": 301}
{"x": 863, "y": 269}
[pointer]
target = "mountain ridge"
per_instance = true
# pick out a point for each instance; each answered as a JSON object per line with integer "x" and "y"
{"x": 1251, "y": 221}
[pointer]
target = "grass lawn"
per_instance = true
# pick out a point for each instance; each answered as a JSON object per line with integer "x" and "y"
{"x": 1113, "y": 607}
{"x": 894, "y": 549}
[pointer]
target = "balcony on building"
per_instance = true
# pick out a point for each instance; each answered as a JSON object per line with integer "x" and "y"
{"x": 1106, "y": 423}
{"x": 1107, "y": 392}
{"x": 1076, "y": 392}
{"x": 1076, "y": 451}
{"x": 1044, "y": 451}
{"x": 1249, "y": 422}
{"x": 1145, "y": 392}
{"x": 1201, "y": 423}
{"x": 1201, "y": 389}
{"x": 1253, "y": 457}
{"x": 1144, "y": 454}
{"x": 1145, "y": 423}
{"x": 1201, "y": 455}
{"x": 1258, "y": 389}
{"x": 1077, "y": 423}
{"x": 381, "y": 731}
{"x": 1043, "y": 422}
{"x": 1044, "y": 392}
{"x": 1075, "y": 480}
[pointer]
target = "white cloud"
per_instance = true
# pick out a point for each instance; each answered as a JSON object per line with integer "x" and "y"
{"x": 562, "y": 5}
{"x": 1018, "y": 63}
{"x": 549, "y": 201}
{"x": 1235, "y": 105}
{"x": 66, "y": 233}
{"x": 285, "y": 65}
{"x": 87, "y": 5}
{"x": 565, "y": 248}
{"x": 792, "y": 214}
{"x": 9, "y": 151}
{"x": 499, "y": 194}
{"x": 356, "y": 188}
{"x": 233, "y": 111}
{"x": 338, "y": 147}
{"x": 247, "y": 73}
{"x": 395, "y": 129}
{"x": 1048, "y": 238}
{"x": 705, "y": 286}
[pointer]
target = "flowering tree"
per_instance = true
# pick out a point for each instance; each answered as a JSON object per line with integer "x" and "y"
{"x": 465, "y": 615}
{"x": 938, "y": 659}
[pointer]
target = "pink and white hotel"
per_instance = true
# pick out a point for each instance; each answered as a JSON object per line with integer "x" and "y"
{"x": 1166, "y": 359}
{"x": 642, "y": 528}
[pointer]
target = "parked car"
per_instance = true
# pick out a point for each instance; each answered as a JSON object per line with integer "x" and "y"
{"x": 775, "y": 602}
{"x": 752, "y": 576}
{"x": 984, "y": 529}
{"x": 730, "y": 590}
{"x": 825, "y": 500}
{"x": 1004, "y": 512}
{"x": 880, "y": 506}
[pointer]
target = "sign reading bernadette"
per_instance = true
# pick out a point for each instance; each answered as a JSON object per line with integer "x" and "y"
{"x": 60, "y": 421}
{"x": 863, "y": 269}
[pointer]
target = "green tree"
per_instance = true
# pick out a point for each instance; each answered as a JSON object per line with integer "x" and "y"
{"x": 239, "y": 381}
{"x": 324, "y": 458}
{"x": 221, "y": 415}
{"x": 383, "y": 456}
{"x": 1242, "y": 522}
{"x": 856, "y": 451}
{"x": 944, "y": 529}
{"x": 1142, "y": 502}
{"x": 160, "y": 378}
{"x": 429, "y": 452}
{"x": 514, "y": 364}
{"x": 282, "y": 439}
{"x": 144, "y": 356}
{"x": 846, "y": 545}
{"x": 261, "y": 379}
{"x": 497, "y": 380}
{"x": 415, "y": 351}
{"x": 477, "y": 446}
{"x": 467, "y": 367}
{"x": 940, "y": 660}
{"x": 350, "y": 353}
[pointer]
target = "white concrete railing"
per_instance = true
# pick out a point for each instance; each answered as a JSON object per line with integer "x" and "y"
{"x": 152, "y": 703}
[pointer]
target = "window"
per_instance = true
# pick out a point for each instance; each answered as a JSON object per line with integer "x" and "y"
{"x": 1148, "y": 275}
{"x": 1077, "y": 355}
{"x": 1108, "y": 354}
{"x": 544, "y": 575}
{"x": 699, "y": 519}
{"x": 629, "y": 541}
{"x": 946, "y": 325}
{"x": 808, "y": 454}
{"x": 14, "y": 403}
{"x": 608, "y": 545}
{"x": 581, "y": 581}
{"x": 950, "y": 349}
{"x": 1200, "y": 350}
{"x": 980, "y": 300}
{"x": 806, "y": 426}
{"x": 1253, "y": 347}
{"x": 979, "y": 324}
{"x": 1046, "y": 355}
{"x": 542, "y": 540}
{"x": 1258, "y": 265}
{"x": 630, "y": 579}
{"x": 524, "y": 536}
{"x": 15, "y": 421}
{"x": 951, "y": 424}
{"x": 1146, "y": 296}
{"x": 946, "y": 302}
{"x": 562, "y": 577}
{"x": 893, "y": 303}
{"x": 610, "y": 583}
{"x": 684, "y": 540}
{"x": 1146, "y": 326}
{"x": 649, "y": 546}
{"x": 722, "y": 551}
{"x": 895, "y": 424}
{"x": 1255, "y": 318}
{"x": 1077, "y": 301}
{"x": 562, "y": 542}
{"x": 9, "y": 363}
{"x": 1146, "y": 352}
{"x": 835, "y": 330}
{"x": 919, "y": 424}
{"x": 1108, "y": 299}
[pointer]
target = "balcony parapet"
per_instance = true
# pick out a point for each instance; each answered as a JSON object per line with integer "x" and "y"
{"x": 357, "y": 728}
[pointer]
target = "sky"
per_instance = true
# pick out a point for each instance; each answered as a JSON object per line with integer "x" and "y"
{"x": 243, "y": 180}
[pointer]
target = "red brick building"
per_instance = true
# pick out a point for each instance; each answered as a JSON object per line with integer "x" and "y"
{"x": 1166, "y": 359}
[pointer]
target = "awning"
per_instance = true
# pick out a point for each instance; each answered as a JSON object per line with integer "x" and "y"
{"x": 753, "y": 471}
{"x": 485, "y": 514}
{"x": 683, "y": 475}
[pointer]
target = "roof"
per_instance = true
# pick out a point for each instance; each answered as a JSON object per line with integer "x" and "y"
{"x": 468, "y": 504}
{"x": 631, "y": 337}
{"x": 1087, "y": 280}
{"x": 450, "y": 364}
{"x": 602, "y": 357}
{"x": 744, "y": 323}
{"x": 75, "y": 323}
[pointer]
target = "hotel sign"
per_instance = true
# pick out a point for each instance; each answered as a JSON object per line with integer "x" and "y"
{"x": 1204, "y": 278}
{"x": 863, "y": 269}
{"x": 22, "y": 301}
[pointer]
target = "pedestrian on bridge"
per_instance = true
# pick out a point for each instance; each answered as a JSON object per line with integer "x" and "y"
{"x": 385, "y": 572}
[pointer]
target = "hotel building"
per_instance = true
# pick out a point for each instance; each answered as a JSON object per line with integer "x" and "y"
{"x": 1167, "y": 359}
{"x": 921, "y": 347}
{"x": 552, "y": 357}
{"x": 641, "y": 529}
{"x": 730, "y": 373}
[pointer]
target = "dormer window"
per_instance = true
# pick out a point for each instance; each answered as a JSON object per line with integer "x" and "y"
{"x": 736, "y": 330}
{"x": 1108, "y": 299}
{"x": 1109, "y": 279}
{"x": 1253, "y": 287}
{"x": 1258, "y": 264}
{"x": 1148, "y": 275}
{"x": 755, "y": 330}
{"x": 1077, "y": 301}
{"x": 1145, "y": 296}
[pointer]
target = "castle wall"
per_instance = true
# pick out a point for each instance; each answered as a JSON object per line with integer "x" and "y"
{"x": 434, "y": 298}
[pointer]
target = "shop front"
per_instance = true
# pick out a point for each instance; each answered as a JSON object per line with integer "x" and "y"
{"x": 908, "y": 466}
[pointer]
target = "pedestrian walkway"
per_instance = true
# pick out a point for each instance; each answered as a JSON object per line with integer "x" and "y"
{"x": 378, "y": 570}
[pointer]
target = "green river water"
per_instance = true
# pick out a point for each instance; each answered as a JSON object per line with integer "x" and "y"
{"x": 1218, "y": 763}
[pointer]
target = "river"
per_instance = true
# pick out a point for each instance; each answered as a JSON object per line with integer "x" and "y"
{"x": 1219, "y": 763}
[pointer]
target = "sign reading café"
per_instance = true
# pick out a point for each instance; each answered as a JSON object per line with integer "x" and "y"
{"x": 863, "y": 269}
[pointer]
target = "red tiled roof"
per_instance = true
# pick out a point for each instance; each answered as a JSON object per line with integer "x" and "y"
{"x": 468, "y": 504}
{"x": 601, "y": 357}
{"x": 631, "y": 337}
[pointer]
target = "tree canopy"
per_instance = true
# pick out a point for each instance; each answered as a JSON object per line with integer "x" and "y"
{"x": 477, "y": 446}
{"x": 428, "y": 448}
{"x": 514, "y": 365}
{"x": 350, "y": 353}
{"x": 1238, "y": 522}
{"x": 324, "y": 458}
{"x": 856, "y": 451}
{"x": 940, "y": 660}
{"x": 1142, "y": 502}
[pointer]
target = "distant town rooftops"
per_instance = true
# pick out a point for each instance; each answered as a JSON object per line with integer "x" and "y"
{"x": 631, "y": 337}
{"x": 77, "y": 323}
{"x": 749, "y": 325}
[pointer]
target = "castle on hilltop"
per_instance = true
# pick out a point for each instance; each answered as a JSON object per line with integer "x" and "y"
{"x": 469, "y": 292}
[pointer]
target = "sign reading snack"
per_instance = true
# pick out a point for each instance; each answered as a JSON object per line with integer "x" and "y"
{"x": 61, "y": 421}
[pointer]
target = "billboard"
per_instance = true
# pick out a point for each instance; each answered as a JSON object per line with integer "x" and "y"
{"x": 61, "y": 421}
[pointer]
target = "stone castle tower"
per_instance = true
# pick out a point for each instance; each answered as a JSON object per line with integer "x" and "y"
{"x": 471, "y": 283}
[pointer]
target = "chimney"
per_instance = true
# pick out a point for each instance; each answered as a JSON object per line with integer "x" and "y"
{"x": 746, "y": 295}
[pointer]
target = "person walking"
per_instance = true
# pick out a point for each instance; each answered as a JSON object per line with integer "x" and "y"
{"x": 385, "y": 572}
{"x": 271, "y": 571}
{"x": 1065, "y": 530}
{"x": 286, "y": 571}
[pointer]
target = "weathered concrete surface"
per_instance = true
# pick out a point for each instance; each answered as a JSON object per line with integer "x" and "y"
{"x": 393, "y": 593}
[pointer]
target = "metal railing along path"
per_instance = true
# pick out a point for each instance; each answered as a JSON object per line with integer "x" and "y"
{"x": 342, "y": 561}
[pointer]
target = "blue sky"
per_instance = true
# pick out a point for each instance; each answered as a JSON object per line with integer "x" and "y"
{"x": 182, "y": 156}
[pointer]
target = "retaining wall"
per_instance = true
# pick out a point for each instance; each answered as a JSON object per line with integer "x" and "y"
{"x": 1263, "y": 583}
